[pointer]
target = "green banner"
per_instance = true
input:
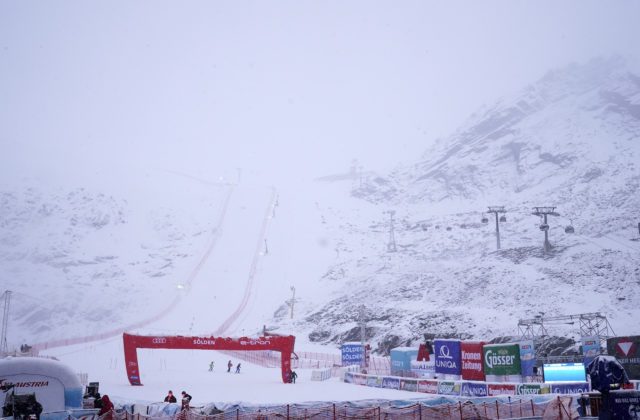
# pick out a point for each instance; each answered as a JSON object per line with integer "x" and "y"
{"x": 533, "y": 389}
{"x": 501, "y": 359}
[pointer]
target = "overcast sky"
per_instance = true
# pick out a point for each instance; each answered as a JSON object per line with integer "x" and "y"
{"x": 286, "y": 89}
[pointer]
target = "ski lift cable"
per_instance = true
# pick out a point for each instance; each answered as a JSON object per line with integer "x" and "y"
{"x": 604, "y": 248}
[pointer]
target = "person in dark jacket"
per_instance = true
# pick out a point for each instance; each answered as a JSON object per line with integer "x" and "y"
{"x": 229, "y": 366}
{"x": 186, "y": 396}
{"x": 294, "y": 375}
{"x": 107, "y": 405}
{"x": 170, "y": 398}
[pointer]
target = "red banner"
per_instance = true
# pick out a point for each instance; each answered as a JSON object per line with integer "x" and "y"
{"x": 472, "y": 366}
{"x": 283, "y": 344}
{"x": 501, "y": 389}
{"x": 428, "y": 387}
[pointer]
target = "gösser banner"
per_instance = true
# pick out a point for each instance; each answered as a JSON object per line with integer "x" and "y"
{"x": 501, "y": 359}
{"x": 472, "y": 366}
{"x": 447, "y": 354}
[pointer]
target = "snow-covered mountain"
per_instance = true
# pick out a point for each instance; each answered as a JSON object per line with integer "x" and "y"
{"x": 571, "y": 140}
{"x": 81, "y": 261}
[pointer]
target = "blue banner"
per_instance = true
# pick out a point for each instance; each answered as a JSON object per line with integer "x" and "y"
{"x": 447, "y": 353}
{"x": 527, "y": 358}
{"x": 352, "y": 354}
{"x": 575, "y": 388}
{"x": 391, "y": 383}
{"x": 348, "y": 377}
{"x": 473, "y": 389}
{"x": 625, "y": 405}
{"x": 590, "y": 348}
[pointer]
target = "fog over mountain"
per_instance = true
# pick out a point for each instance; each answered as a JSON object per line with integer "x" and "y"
{"x": 184, "y": 168}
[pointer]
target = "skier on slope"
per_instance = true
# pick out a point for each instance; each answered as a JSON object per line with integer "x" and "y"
{"x": 238, "y": 368}
{"x": 211, "y": 367}
{"x": 229, "y": 366}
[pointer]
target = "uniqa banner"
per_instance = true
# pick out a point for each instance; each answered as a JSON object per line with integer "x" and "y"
{"x": 527, "y": 358}
{"x": 627, "y": 351}
{"x": 391, "y": 383}
{"x": 590, "y": 348}
{"x": 573, "y": 388}
{"x": 473, "y": 389}
{"x": 471, "y": 357}
{"x": 501, "y": 359}
{"x": 447, "y": 353}
{"x": 448, "y": 388}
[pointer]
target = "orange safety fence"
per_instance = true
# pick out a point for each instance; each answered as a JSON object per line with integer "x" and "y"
{"x": 559, "y": 408}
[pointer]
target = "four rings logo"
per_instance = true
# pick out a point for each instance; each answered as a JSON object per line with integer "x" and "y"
{"x": 159, "y": 340}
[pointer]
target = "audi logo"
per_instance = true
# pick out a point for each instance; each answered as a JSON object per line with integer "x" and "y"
{"x": 159, "y": 340}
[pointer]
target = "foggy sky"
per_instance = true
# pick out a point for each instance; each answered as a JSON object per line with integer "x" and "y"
{"x": 282, "y": 89}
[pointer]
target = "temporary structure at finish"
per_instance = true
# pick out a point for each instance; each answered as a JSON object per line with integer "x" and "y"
{"x": 283, "y": 344}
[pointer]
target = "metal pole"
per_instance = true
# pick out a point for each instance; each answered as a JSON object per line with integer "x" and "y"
{"x": 497, "y": 231}
{"x": 547, "y": 245}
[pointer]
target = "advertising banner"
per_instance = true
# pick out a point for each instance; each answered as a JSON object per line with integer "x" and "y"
{"x": 424, "y": 368}
{"x": 473, "y": 389}
{"x": 409, "y": 385}
{"x": 348, "y": 377}
{"x": 448, "y": 388}
{"x": 49, "y": 390}
{"x": 471, "y": 357}
{"x": 428, "y": 387}
{"x": 625, "y": 405}
{"x": 627, "y": 351}
{"x": 447, "y": 353}
{"x": 401, "y": 358}
{"x": 575, "y": 388}
{"x": 532, "y": 389}
{"x": 501, "y": 359}
{"x": 590, "y": 348}
{"x": 359, "y": 379}
{"x": 374, "y": 381}
{"x": 501, "y": 389}
{"x": 352, "y": 354}
{"x": 390, "y": 383}
{"x": 527, "y": 358}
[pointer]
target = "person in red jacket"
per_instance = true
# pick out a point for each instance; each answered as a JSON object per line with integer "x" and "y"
{"x": 107, "y": 405}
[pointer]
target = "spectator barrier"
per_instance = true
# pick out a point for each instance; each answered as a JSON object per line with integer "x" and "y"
{"x": 559, "y": 408}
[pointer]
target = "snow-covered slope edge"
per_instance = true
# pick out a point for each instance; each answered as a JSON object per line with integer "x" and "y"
{"x": 570, "y": 140}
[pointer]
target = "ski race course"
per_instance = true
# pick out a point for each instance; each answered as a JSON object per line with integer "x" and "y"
{"x": 221, "y": 296}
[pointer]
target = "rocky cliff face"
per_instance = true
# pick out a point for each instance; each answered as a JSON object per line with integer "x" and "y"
{"x": 571, "y": 140}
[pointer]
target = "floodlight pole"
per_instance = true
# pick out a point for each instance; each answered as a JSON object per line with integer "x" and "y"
{"x": 495, "y": 210}
{"x": 4, "y": 348}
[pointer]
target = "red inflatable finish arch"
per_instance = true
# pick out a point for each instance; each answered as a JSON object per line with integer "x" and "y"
{"x": 283, "y": 344}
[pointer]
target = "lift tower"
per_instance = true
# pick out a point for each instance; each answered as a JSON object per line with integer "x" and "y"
{"x": 544, "y": 212}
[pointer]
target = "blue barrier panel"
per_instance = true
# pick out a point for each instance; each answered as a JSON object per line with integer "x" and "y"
{"x": 447, "y": 353}
{"x": 473, "y": 389}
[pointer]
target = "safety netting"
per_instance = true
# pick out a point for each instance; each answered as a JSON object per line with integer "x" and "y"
{"x": 559, "y": 408}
